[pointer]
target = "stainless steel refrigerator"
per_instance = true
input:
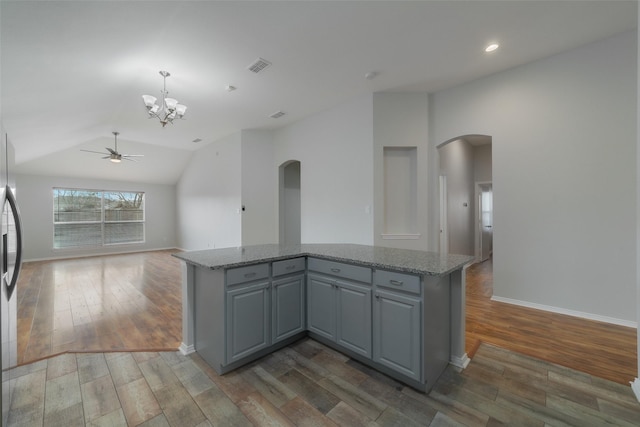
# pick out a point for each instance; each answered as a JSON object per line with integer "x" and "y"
{"x": 10, "y": 263}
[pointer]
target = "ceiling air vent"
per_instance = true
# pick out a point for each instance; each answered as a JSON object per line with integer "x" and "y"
{"x": 277, "y": 115}
{"x": 259, "y": 65}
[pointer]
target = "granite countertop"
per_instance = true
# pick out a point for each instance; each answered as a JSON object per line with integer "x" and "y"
{"x": 411, "y": 261}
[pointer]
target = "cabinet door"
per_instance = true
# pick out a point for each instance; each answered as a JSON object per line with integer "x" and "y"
{"x": 287, "y": 307}
{"x": 247, "y": 320}
{"x": 321, "y": 306}
{"x": 354, "y": 317}
{"x": 396, "y": 332}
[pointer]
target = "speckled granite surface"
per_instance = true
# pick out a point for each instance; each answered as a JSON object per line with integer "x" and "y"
{"x": 419, "y": 262}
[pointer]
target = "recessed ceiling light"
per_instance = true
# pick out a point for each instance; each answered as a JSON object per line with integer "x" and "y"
{"x": 491, "y": 47}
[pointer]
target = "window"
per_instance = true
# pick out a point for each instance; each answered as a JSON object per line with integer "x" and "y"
{"x": 96, "y": 218}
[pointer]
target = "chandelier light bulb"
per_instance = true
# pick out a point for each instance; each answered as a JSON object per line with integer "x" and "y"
{"x": 171, "y": 103}
{"x": 181, "y": 109}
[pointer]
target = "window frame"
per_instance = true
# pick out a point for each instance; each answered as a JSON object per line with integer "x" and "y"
{"x": 103, "y": 221}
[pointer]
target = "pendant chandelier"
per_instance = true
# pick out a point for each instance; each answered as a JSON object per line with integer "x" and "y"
{"x": 168, "y": 109}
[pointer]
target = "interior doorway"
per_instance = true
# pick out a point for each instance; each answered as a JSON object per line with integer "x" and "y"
{"x": 464, "y": 162}
{"x": 484, "y": 221}
{"x": 289, "y": 203}
{"x": 444, "y": 228}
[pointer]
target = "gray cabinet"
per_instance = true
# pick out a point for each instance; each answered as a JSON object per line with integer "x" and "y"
{"x": 397, "y": 325}
{"x": 247, "y": 320}
{"x": 288, "y": 303}
{"x": 396, "y": 332}
{"x": 339, "y": 309}
{"x": 354, "y": 317}
{"x": 287, "y": 307}
{"x": 321, "y": 306}
{"x": 394, "y": 321}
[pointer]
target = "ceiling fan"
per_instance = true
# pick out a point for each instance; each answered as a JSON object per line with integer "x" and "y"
{"x": 113, "y": 154}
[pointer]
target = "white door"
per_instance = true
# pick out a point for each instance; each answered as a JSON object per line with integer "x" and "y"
{"x": 444, "y": 232}
{"x": 485, "y": 221}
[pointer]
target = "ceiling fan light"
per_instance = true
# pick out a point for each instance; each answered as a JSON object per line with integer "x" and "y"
{"x": 149, "y": 100}
{"x": 181, "y": 109}
{"x": 171, "y": 103}
{"x": 115, "y": 159}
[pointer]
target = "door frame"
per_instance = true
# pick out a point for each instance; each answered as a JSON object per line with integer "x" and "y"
{"x": 477, "y": 219}
{"x": 285, "y": 222}
{"x": 444, "y": 227}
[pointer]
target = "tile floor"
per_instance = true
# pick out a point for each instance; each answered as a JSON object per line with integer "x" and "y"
{"x": 308, "y": 384}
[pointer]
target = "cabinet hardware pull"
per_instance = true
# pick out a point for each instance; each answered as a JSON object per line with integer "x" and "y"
{"x": 396, "y": 282}
{"x": 335, "y": 270}
{"x": 247, "y": 275}
{"x": 377, "y": 296}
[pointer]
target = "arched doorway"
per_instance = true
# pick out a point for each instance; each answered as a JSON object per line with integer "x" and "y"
{"x": 289, "y": 203}
{"x": 464, "y": 163}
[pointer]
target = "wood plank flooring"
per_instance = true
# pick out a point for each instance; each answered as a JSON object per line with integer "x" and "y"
{"x": 133, "y": 302}
{"x": 308, "y": 384}
{"x": 118, "y": 302}
{"x": 104, "y": 307}
{"x": 600, "y": 349}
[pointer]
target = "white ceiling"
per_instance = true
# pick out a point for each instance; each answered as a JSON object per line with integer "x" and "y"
{"x": 74, "y": 71}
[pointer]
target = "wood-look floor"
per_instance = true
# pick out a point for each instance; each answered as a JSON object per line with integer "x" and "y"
{"x": 600, "y": 349}
{"x": 133, "y": 302}
{"x": 117, "y": 302}
{"x": 304, "y": 384}
{"x": 308, "y": 384}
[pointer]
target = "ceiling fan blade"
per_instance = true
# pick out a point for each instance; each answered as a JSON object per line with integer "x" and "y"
{"x": 97, "y": 152}
{"x": 106, "y": 157}
{"x": 126, "y": 158}
{"x": 133, "y": 155}
{"x": 111, "y": 151}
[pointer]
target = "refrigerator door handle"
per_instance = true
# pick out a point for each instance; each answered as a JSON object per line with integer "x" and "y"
{"x": 11, "y": 284}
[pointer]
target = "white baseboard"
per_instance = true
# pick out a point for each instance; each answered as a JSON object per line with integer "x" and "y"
{"x": 460, "y": 362}
{"x": 186, "y": 349}
{"x": 574, "y": 313}
{"x": 71, "y": 255}
{"x": 635, "y": 386}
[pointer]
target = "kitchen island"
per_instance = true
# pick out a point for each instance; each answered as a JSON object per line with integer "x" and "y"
{"x": 399, "y": 311}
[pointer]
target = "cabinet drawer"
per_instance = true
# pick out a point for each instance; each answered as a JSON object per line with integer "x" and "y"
{"x": 397, "y": 281}
{"x": 247, "y": 274}
{"x": 338, "y": 269}
{"x": 288, "y": 266}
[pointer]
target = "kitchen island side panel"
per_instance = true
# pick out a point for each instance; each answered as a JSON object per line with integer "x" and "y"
{"x": 209, "y": 314}
{"x": 436, "y": 341}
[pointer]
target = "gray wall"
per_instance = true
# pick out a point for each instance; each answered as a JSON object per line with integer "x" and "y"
{"x": 209, "y": 197}
{"x": 335, "y": 150}
{"x": 457, "y": 164}
{"x": 482, "y": 163}
{"x": 401, "y": 120}
{"x": 259, "y": 195}
{"x": 35, "y": 198}
{"x": 564, "y": 132}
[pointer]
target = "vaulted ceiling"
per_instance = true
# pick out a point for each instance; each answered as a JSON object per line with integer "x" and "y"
{"x": 74, "y": 71}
